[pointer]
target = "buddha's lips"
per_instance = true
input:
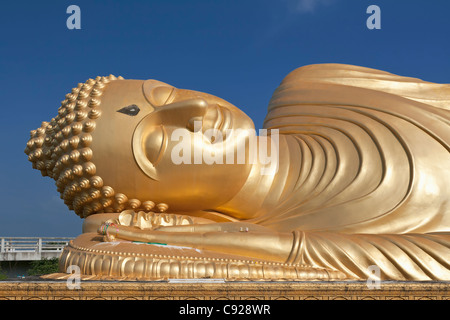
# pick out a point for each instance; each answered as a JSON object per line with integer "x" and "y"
{"x": 163, "y": 145}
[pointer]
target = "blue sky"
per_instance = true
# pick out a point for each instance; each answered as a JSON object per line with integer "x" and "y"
{"x": 237, "y": 50}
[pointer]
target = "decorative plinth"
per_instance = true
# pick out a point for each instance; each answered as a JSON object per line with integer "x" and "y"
{"x": 270, "y": 290}
{"x": 125, "y": 260}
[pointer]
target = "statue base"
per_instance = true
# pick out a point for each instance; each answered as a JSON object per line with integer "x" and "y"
{"x": 234, "y": 290}
{"x": 125, "y": 260}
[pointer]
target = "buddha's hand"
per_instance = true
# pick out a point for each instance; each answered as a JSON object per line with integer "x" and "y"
{"x": 214, "y": 227}
{"x": 132, "y": 221}
{"x": 151, "y": 220}
{"x": 140, "y": 221}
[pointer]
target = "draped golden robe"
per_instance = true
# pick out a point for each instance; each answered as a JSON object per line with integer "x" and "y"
{"x": 373, "y": 182}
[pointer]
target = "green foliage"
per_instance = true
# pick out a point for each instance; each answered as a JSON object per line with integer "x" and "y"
{"x": 3, "y": 275}
{"x": 44, "y": 266}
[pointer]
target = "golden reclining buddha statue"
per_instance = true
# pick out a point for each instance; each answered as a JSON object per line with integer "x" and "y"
{"x": 358, "y": 176}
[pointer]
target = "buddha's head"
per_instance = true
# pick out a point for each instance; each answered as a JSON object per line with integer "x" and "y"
{"x": 118, "y": 144}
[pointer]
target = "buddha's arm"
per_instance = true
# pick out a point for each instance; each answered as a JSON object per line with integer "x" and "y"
{"x": 242, "y": 239}
{"x": 398, "y": 256}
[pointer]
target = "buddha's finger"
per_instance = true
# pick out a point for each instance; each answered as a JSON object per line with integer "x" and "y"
{"x": 112, "y": 230}
{"x": 211, "y": 227}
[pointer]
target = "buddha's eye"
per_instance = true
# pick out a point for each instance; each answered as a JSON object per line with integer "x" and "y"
{"x": 131, "y": 110}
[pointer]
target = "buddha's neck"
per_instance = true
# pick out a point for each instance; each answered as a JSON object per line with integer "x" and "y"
{"x": 264, "y": 188}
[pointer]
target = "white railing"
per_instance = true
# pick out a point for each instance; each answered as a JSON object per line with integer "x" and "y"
{"x": 36, "y": 245}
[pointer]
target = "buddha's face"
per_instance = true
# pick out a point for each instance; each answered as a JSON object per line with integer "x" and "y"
{"x": 156, "y": 142}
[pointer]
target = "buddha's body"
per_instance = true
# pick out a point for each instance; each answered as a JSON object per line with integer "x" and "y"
{"x": 363, "y": 163}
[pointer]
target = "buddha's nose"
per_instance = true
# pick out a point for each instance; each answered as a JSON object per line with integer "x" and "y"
{"x": 179, "y": 113}
{"x": 195, "y": 106}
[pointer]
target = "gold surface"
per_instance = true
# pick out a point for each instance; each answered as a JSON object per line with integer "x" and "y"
{"x": 362, "y": 158}
{"x": 139, "y": 261}
{"x": 315, "y": 290}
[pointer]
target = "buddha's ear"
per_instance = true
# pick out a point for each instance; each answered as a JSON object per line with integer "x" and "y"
{"x": 157, "y": 93}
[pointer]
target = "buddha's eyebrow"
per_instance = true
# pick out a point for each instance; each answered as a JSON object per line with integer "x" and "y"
{"x": 130, "y": 110}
